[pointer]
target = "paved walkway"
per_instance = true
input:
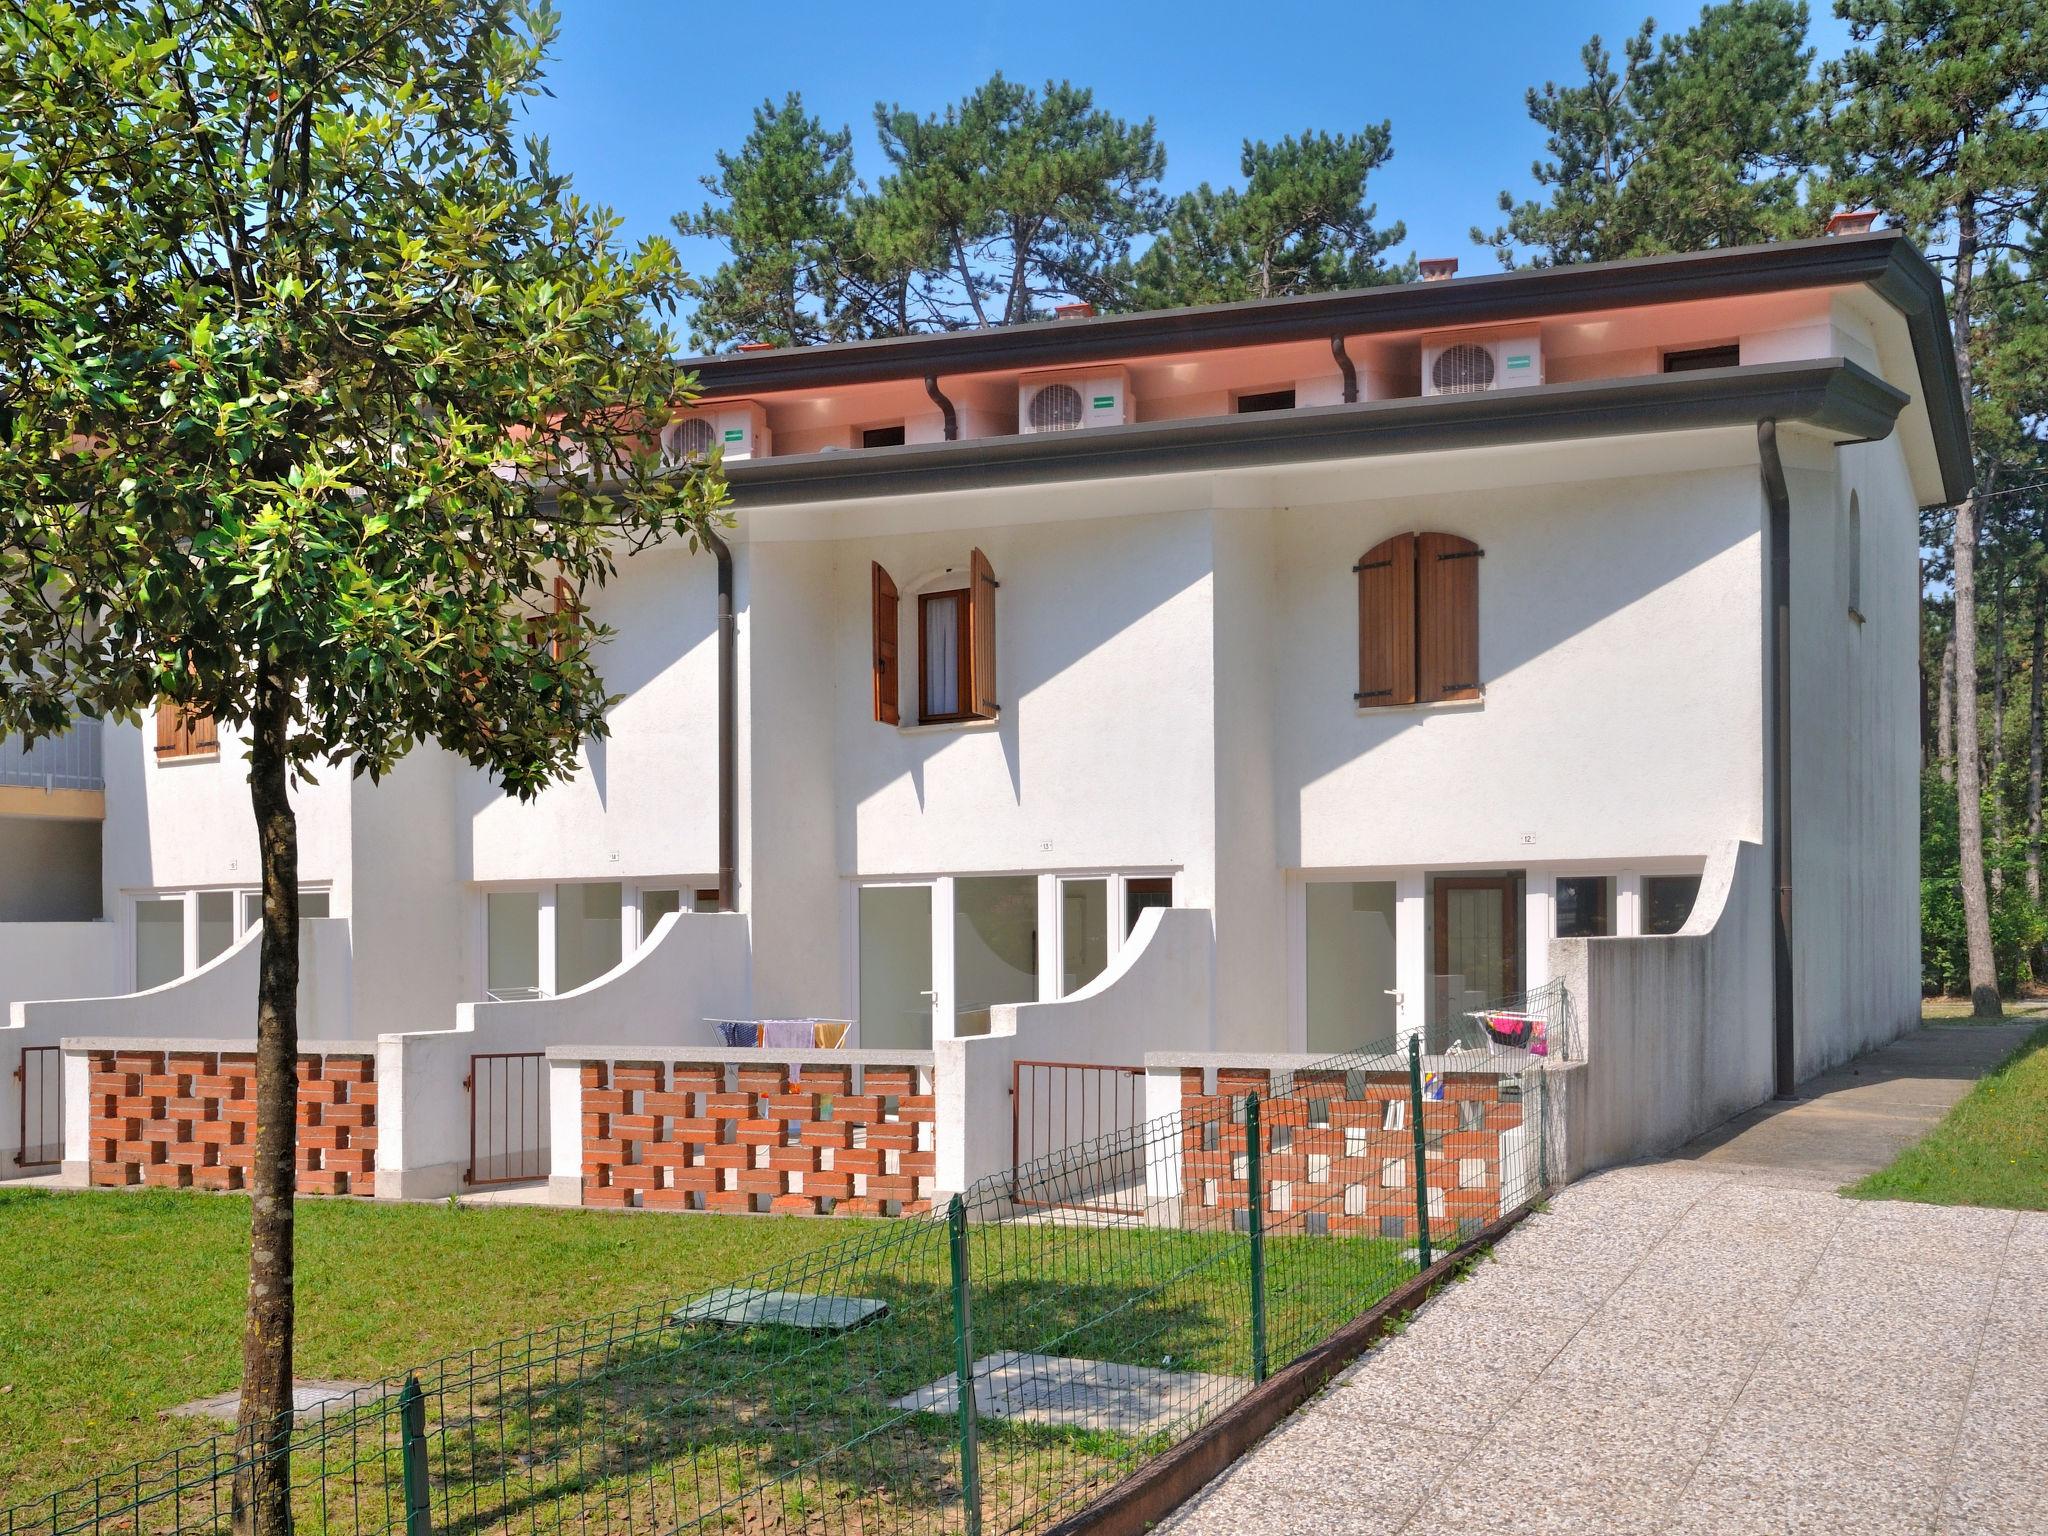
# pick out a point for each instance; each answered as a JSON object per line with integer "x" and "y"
{"x": 1709, "y": 1345}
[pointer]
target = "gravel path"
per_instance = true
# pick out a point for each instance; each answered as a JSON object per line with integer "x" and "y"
{"x": 1708, "y": 1346}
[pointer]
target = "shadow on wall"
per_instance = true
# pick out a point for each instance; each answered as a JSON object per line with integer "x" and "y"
{"x": 1678, "y": 1026}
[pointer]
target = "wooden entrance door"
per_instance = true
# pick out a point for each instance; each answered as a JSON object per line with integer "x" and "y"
{"x": 1478, "y": 940}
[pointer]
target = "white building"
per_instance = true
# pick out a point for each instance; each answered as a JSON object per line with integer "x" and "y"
{"x": 1426, "y": 643}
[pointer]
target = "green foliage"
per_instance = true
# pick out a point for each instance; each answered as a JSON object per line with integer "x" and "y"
{"x": 314, "y": 380}
{"x": 1300, "y": 225}
{"x": 1990, "y": 1150}
{"x": 783, "y": 214}
{"x": 1698, "y": 140}
{"x": 2018, "y": 926}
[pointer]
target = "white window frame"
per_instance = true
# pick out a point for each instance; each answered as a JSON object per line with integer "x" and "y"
{"x": 187, "y": 896}
{"x": 630, "y": 942}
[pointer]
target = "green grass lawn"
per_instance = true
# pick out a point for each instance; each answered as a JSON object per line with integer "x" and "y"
{"x": 121, "y": 1305}
{"x": 1992, "y": 1149}
{"x": 124, "y": 1305}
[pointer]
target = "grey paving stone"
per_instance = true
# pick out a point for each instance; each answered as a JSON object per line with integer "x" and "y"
{"x": 1080, "y": 1394}
{"x": 2027, "y": 1249}
{"x": 1388, "y": 1470}
{"x": 310, "y": 1399}
{"x": 1945, "y": 1236}
{"x": 738, "y": 1306}
{"x": 1842, "y": 1505}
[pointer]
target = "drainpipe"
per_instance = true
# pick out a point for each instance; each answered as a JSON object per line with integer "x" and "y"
{"x": 931, "y": 387}
{"x": 728, "y": 733}
{"x": 1350, "y": 371}
{"x": 1778, "y": 665}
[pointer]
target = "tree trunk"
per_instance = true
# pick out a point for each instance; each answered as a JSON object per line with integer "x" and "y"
{"x": 1997, "y": 772}
{"x": 262, "y": 1490}
{"x": 1945, "y": 712}
{"x": 2034, "y": 738}
{"x": 1969, "y": 785}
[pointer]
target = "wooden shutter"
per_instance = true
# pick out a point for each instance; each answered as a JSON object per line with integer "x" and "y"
{"x": 184, "y": 733}
{"x": 1386, "y": 623}
{"x": 981, "y": 630}
{"x": 1447, "y": 614}
{"x": 887, "y": 671}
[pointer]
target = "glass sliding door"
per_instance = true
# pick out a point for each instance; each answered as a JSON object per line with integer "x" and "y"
{"x": 896, "y": 967}
{"x": 512, "y": 945}
{"x": 589, "y": 936}
{"x": 995, "y": 946}
{"x": 1350, "y": 965}
{"x": 216, "y": 925}
{"x": 1084, "y": 932}
{"x": 159, "y": 941}
{"x": 654, "y": 906}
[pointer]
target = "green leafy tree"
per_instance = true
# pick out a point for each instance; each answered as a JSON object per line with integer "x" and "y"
{"x": 1700, "y": 139}
{"x": 312, "y": 381}
{"x": 1936, "y": 118}
{"x": 1301, "y": 224}
{"x": 783, "y": 213}
{"x": 1010, "y": 201}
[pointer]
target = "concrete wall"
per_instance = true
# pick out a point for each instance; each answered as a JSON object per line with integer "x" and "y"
{"x": 1855, "y": 751}
{"x": 1620, "y": 650}
{"x": 79, "y": 959}
{"x": 693, "y": 966}
{"x": 408, "y": 904}
{"x": 49, "y": 870}
{"x": 1156, "y": 995}
{"x": 1677, "y": 1028}
{"x": 645, "y": 805}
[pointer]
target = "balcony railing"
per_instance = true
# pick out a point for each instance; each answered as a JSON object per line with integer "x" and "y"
{"x": 67, "y": 761}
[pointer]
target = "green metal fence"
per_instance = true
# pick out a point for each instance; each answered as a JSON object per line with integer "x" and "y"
{"x": 994, "y": 1368}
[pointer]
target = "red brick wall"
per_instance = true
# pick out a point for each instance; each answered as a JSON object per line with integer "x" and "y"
{"x": 1323, "y": 1150}
{"x": 187, "y": 1120}
{"x": 714, "y": 1136}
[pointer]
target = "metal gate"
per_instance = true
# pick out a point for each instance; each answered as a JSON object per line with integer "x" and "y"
{"x": 40, "y": 1077}
{"x": 1072, "y": 1140}
{"x": 508, "y": 1117}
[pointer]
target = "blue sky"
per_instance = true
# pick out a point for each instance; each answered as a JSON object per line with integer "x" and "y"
{"x": 646, "y": 91}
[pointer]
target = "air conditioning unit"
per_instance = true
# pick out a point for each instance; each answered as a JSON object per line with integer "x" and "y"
{"x": 739, "y": 427}
{"x": 1479, "y": 364}
{"x": 1065, "y": 402}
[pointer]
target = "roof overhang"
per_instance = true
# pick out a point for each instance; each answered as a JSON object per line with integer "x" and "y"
{"x": 1833, "y": 394}
{"x": 1884, "y": 261}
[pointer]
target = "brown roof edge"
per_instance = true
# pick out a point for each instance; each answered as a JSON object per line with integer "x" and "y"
{"x": 1832, "y": 393}
{"x": 1884, "y": 260}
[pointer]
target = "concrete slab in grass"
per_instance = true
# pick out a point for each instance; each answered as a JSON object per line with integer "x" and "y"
{"x": 1081, "y": 1394}
{"x": 309, "y": 1399}
{"x": 739, "y": 1306}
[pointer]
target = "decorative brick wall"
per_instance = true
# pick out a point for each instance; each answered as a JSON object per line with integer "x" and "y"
{"x": 187, "y": 1120}
{"x": 721, "y": 1136}
{"x": 1329, "y": 1160}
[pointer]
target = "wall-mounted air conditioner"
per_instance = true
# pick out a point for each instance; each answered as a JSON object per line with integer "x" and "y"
{"x": 1478, "y": 364}
{"x": 739, "y": 427}
{"x": 1064, "y": 402}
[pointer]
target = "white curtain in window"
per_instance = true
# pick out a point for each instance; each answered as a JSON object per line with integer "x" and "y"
{"x": 942, "y": 655}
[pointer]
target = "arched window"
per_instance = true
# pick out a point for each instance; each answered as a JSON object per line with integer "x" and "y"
{"x": 955, "y": 641}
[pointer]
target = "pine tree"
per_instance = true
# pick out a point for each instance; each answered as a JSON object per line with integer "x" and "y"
{"x": 1699, "y": 140}
{"x": 1010, "y": 201}
{"x": 1301, "y": 224}
{"x": 1936, "y": 119}
{"x": 783, "y": 214}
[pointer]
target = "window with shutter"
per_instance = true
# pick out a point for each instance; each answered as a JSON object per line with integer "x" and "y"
{"x": 981, "y": 626}
{"x": 1386, "y": 623}
{"x": 884, "y": 647}
{"x": 1446, "y": 618}
{"x": 183, "y": 733}
{"x": 1418, "y": 620}
{"x": 945, "y": 660}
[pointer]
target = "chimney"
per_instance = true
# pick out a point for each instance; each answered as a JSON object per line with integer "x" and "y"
{"x": 1851, "y": 222}
{"x": 755, "y": 346}
{"x": 1082, "y": 311}
{"x": 1436, "y": 268}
